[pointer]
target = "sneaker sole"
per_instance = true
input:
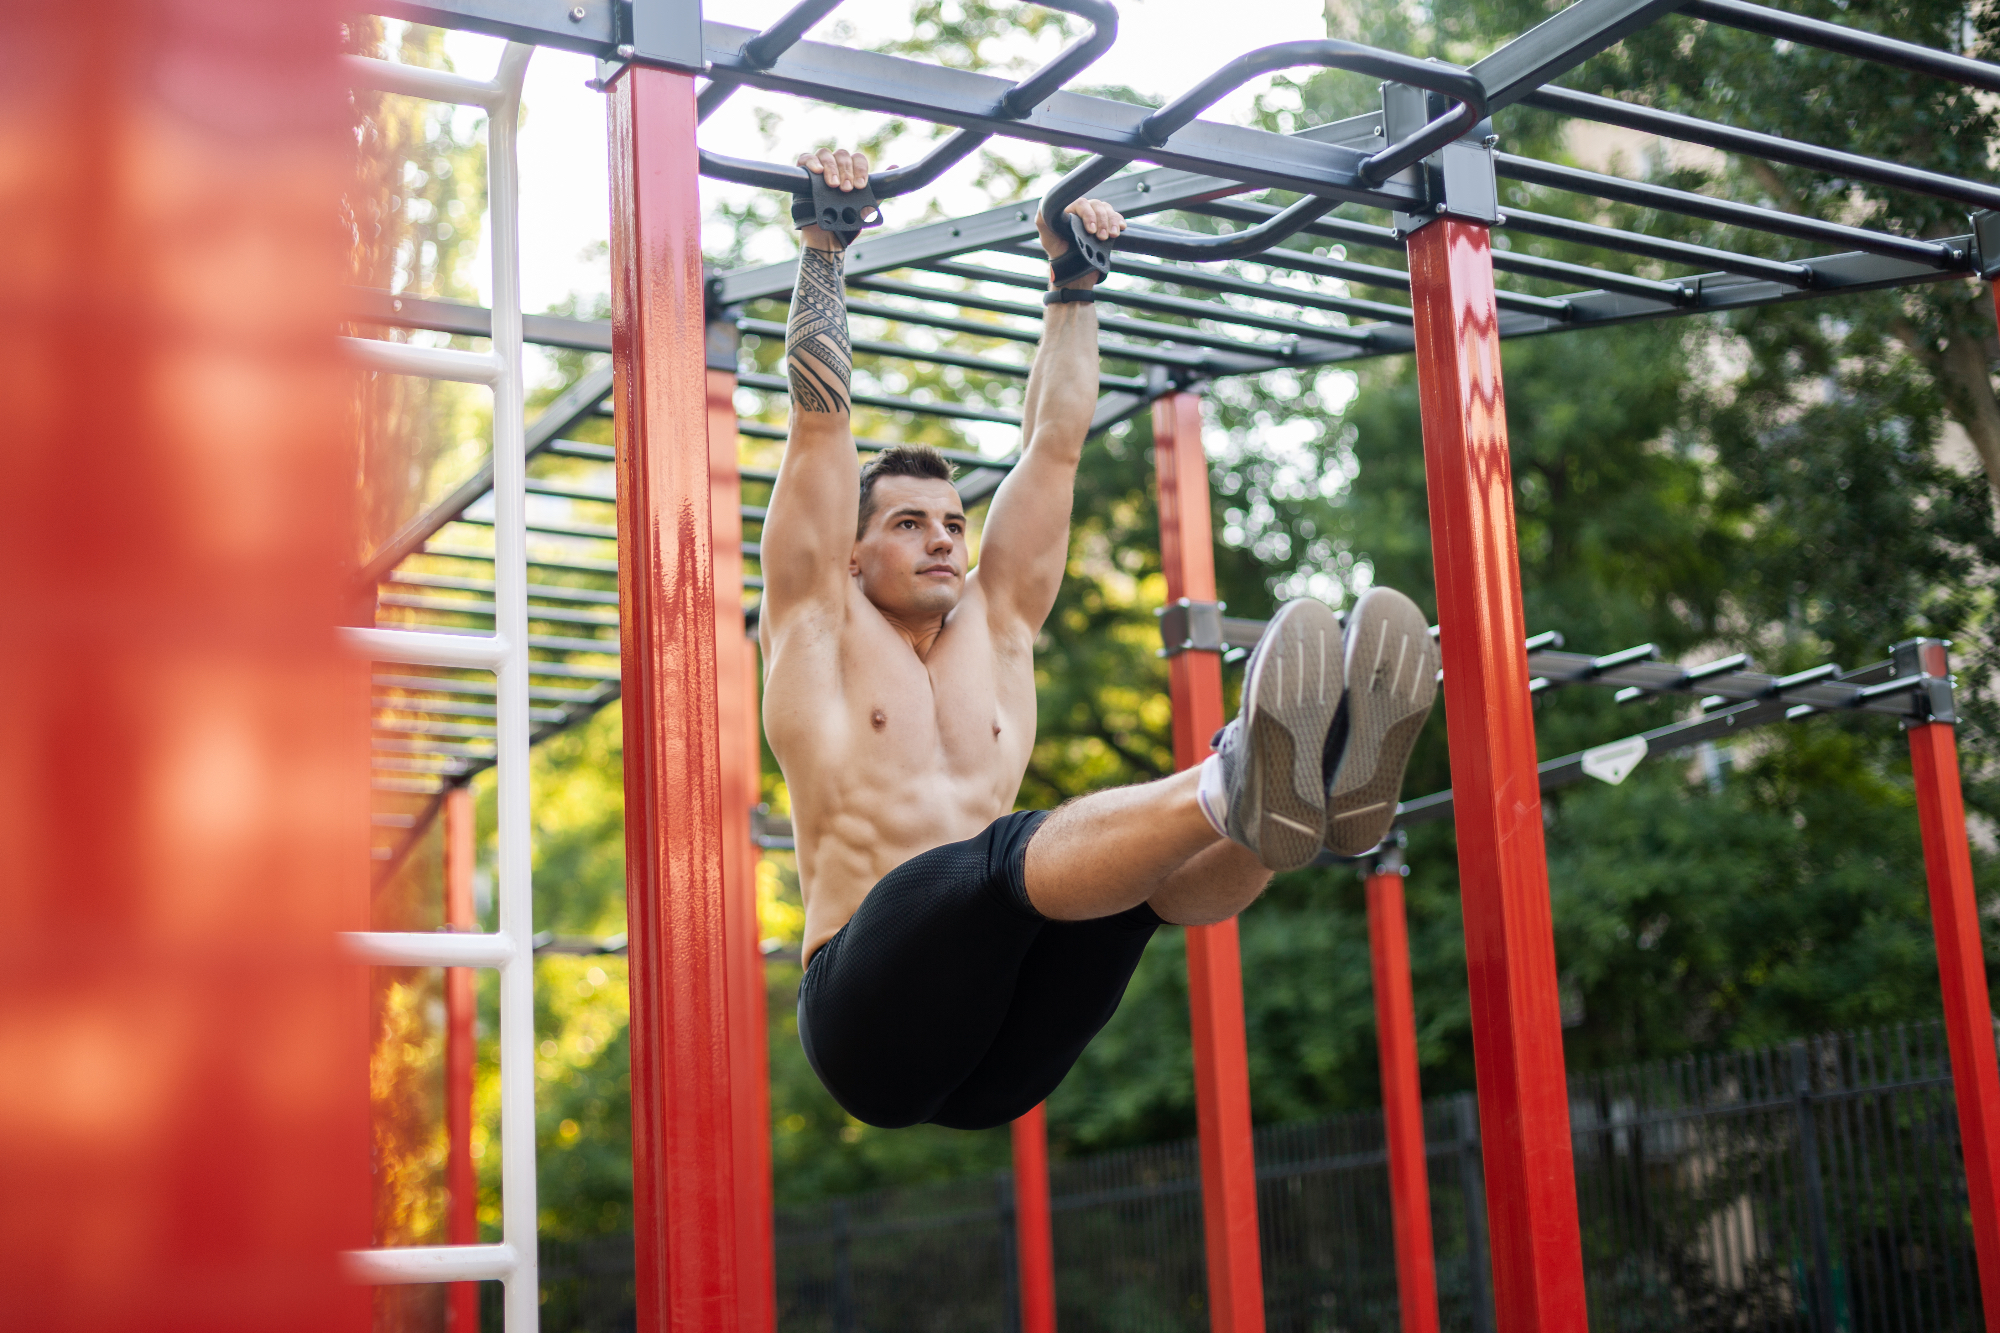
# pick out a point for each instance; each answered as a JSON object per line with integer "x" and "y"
{"x": 1391, "y": 668}
{"x": 1289, "y": 699}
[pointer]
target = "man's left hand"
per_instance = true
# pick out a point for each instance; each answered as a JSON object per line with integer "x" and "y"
{"x": 1099, "y": 219}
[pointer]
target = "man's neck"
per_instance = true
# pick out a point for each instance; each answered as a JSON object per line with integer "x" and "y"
{"x": 921, "y": 633}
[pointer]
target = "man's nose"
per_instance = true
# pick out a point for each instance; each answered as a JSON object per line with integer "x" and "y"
{"x": 941, "y": 540}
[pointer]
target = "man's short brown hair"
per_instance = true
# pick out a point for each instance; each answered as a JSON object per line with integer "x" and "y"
{"x": 899, "y": 460}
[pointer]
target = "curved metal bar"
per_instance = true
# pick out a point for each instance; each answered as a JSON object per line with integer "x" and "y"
{"x": 1458, "y": 84}
{"x": 763, "y": 50}
{"x": 1142, "y": 238}
{"x": 1174, "y": 243}
{"x": 1770, "y": 147}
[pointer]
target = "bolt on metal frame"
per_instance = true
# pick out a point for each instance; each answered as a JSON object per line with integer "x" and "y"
{"x": 1210, "y": 325}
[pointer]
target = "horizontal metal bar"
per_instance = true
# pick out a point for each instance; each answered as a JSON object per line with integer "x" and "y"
{"x": 561, "y": 492}
{"x": 596, "y": 453}
{"x": 933, "y": 356}
{"x": 464, "y": 606}
{"x": 442, "y": 948}
{"x": 576, "y": 25}
{"x": 383, "y": 744}
{"x": 371, "y": 305}
{"x": 1348, "y": 232}
{"x": 546, "y": 591}
{"x": 466, "y": 730}
{"x": 1847, "y": 41}
{"x": 421, "y": 648}
{"x": 441, "y": 708}
{"x": 602, "y": 532}
{"x": 1769, "y": 147}
{"x": 1938, "y": 253}
{"x": 1134, "y": 327}
{"x": 1165, "y": 356}
{"x": 575, "y": 565}
{"x": 1213, "y": 281}
{"x": 438, "y": 363}
{"x": 890, "y": 402}
{"x": 388, "y": 76}
{"x": 432, "y": 1263}
{"x": 1673, "y": 252}
{"x": 477, "y": 688}
{"x": 759, "y": 430}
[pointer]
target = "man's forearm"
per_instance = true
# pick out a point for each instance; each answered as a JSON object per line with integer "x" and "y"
{"x": 818, "y": 356}
{"x": 1062, "y": 386}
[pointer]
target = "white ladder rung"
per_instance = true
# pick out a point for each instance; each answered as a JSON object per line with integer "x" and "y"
{"x": 386, "y": 76}
{"x": 426, "y": 648}
{"x": 438, "y": 363}
{"x": 430, "y": 949}
{"x": 432, "y": 1263}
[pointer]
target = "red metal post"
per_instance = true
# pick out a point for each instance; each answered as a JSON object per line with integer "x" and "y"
{"x": 1034, "y": 1232}
{"x": 683, "y": 1133}
{"x": 749, "y": 1072}
{"x": 1968, "y": 1010}
{"x": 1215, "y": 965}
{"x": 184, "y": 765}
{"x": 460, "y": 1037}
{"x": 1402, "y": 1100}
{"x": 1510, "y": 944}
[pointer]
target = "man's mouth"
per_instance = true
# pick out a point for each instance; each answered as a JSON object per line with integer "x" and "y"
{"x": 939, "y": 569}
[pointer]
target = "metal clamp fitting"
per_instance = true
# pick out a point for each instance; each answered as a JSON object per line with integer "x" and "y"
{"x": 1190, "y": 626}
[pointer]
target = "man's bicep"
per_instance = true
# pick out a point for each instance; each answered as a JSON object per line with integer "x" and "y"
{"x": 1024, "y": 545}
{"x": 808, "y": 531}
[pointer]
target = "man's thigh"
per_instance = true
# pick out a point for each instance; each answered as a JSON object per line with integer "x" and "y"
{"x": 903, "y": 1003}
{"x": 1067, "y": 987}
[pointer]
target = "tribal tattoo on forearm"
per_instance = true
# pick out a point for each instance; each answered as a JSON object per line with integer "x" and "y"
{"x": 817, "y": 353}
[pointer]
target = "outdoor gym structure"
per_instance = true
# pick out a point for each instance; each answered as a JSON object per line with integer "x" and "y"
{"x": 285, "y": 735}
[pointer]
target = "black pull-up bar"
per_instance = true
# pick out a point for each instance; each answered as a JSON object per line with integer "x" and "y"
{"x": 763, "y": 50}
{"x": 1457, "y": 84}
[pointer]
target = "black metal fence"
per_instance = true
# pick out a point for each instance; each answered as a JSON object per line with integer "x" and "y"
{"x": 1814, "y": 1187}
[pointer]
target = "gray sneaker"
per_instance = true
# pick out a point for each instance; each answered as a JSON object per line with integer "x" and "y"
{"x": 1391, "y": 670}
{"x": 1272, "y": 752}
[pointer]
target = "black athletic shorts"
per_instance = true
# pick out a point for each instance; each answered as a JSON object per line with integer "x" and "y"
{"x": 949, "y": 999}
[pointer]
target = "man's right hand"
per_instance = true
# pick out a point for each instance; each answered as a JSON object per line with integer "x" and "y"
{"x": 844, "y": 171}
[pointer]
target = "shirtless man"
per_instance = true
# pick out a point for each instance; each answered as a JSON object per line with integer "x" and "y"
{"x": 959, "y": 957}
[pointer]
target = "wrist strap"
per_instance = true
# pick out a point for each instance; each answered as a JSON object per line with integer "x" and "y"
{"x": 1070, "y": 296}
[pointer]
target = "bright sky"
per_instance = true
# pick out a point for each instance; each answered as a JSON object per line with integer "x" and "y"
{"x": 1163, "y": 47}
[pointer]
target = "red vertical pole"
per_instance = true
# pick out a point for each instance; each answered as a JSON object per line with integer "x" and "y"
{"x": 184, "y": 764}
{"x": 749, "y": 1072}
{"x": 1509, "y": 938}
{"x": 1034, "y": 1232}
{"x": 1968, "y": 1010}
{"x": 683, "y": 1158}
{"x": 1215, "y": 965}
{"x": 459, "y": 1048}
{"x": 1402, "y": 1099}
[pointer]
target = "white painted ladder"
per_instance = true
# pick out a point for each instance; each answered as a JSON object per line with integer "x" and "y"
{"x": 505, "y": 653}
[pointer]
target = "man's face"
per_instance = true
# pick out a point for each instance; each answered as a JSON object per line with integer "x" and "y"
{"x": 911, "y": 557}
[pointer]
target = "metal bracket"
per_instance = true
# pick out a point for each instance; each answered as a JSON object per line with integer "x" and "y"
{"x": 1986, "y": 244}
{"x": 663, "y": 34}
{"x": 1189, "y": 626}
{"x": 1933, "y": 701}
{"x": 1458, "y": 179}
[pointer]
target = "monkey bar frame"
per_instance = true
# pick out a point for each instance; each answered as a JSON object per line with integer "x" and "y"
{"x": 678, "y": 651}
